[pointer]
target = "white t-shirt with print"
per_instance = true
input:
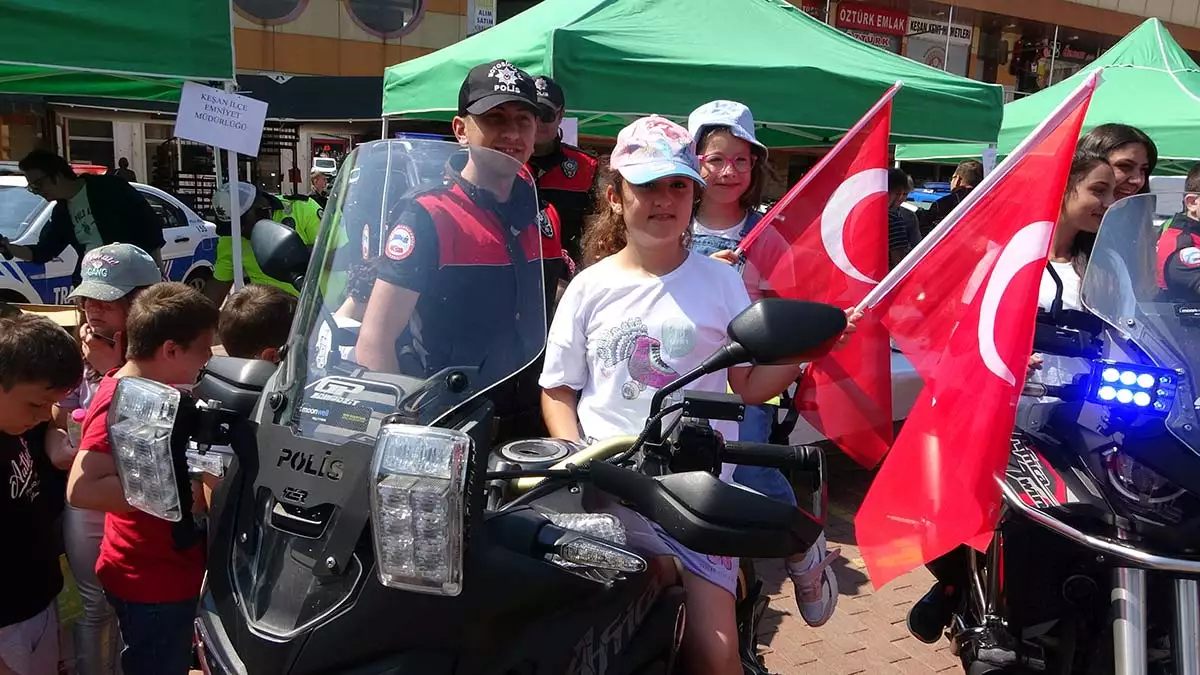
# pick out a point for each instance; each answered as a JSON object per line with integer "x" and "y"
{"x": 1071, "y": 285}
{"x": 618, "y": 337}
{"x": 86, "y": 232}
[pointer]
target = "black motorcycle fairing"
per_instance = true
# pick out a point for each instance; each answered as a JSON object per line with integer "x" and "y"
{"x": 236, "y": 383}
{"x": 502, "y": 588}
{"x": 709, "y": 516}
{"x": 561, "y": 618}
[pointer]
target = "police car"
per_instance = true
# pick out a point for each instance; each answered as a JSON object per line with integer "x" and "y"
{"x": 189, "y": 252}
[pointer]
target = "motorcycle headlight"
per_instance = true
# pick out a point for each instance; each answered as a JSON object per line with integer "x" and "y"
{"x": 140, "y": 422}
{"x": 418, "y": 507}
{"x": 1144, "y": 389}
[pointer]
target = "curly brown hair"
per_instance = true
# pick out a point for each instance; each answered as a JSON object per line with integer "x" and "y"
{"x": 604, "y": 234}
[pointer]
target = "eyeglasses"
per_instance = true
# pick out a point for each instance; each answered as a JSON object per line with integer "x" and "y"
{"x": 716, "y": 162}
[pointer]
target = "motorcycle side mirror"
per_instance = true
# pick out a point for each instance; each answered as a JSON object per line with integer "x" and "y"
{"x": 280, "y": 251}
{"x": 709, "y": 516}
{"x": 774, "y": 331}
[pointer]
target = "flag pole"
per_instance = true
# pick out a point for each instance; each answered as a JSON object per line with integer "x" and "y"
{"x": 816, "y": 170}
{"x": 1064, "y": 109}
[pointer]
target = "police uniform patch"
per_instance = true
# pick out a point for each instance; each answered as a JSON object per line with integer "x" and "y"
{"x": 320, "y": 212}
{"x": 366, "y": 242}
{"x": 400, "y": 243}
{"x": 1190, "y": 257}
{"x": 544, "y": 224}
{"x": 289, "y": 221}
{"x": 570, "y": 167}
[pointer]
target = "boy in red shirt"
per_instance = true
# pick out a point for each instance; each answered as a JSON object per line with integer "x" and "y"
{"x": 152, "y": 584}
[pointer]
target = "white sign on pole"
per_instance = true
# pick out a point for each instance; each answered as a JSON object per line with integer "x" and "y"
{"x": 570, "y": 130}
{"x": 224, "y": 120}
{"x": 481, "y": 15}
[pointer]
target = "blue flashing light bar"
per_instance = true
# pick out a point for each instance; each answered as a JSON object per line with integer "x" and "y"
{"x": 1145, "y": 389}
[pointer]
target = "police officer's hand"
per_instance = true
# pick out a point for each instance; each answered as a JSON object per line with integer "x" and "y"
{"x": 4, "y": 250}
{"x": 102, "y": 353}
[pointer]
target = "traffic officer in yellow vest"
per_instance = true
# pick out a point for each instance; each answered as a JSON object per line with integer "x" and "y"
{"x": 298, "y": 212}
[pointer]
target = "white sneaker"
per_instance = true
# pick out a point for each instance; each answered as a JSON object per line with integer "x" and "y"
{"x": 816, "y": 585}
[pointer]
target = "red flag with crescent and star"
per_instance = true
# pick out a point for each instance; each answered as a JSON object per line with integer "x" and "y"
{"x": 963, "y": 309}
{"x": 827, "y": 241}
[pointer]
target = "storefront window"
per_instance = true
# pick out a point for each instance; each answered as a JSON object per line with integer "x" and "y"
{"x": 90, "y": 142}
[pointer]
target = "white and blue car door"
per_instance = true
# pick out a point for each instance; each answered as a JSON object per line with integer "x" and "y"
{"x": 184, "y": 235}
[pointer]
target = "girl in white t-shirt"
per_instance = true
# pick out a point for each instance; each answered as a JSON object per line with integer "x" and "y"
{"x": 647, "y": 311}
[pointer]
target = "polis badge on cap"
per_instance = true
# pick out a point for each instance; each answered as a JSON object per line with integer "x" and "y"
{"x": 506, "y": 76}
{"x": 400, "y": 243}
{"x": 570, "y": 167}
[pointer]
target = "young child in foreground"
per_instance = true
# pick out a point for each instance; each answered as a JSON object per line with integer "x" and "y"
{"x": 151, "y": 583}
{"x": 39, "y": 363}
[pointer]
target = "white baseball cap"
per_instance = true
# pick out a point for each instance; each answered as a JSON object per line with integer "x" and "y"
{"x": 220, "y": 199}
{"x": 736, "y": 116}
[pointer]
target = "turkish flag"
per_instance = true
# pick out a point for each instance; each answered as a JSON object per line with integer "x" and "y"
{"x": 827, "y": 241}
{"x": 964, "y": 314}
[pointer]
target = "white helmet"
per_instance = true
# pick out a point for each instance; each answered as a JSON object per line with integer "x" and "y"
{"x": 247, "y": 193}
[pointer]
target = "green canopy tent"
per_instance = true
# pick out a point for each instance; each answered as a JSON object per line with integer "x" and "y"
{"x": 128, "y": 49}
{"x": 806, "y": 82}
{"x": 1149, "y": 81}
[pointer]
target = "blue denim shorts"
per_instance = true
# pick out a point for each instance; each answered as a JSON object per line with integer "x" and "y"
{"x": 756, "y": 428}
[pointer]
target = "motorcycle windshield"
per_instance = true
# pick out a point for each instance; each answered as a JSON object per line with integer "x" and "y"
{"x": 1129, "y": 284}
{"x": 426, "y": 289}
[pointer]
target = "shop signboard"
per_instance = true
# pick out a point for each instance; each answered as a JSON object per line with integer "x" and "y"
{"x": 883, "y": 28}
{"x": 927, "y": 44}
{"x": 812, "y": 8}
{"x": 929, "y": 29}
{"x": 481, "y": 15}
{"x": 889, "y": 42}
{"x": 857, "y": 16}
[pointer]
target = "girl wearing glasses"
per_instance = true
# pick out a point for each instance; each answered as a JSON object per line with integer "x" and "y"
{"x": 733, "y": 164}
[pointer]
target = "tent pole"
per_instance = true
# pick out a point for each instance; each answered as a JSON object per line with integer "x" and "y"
{"x": 827, "y": 7}
{"x": 385, "y": 127}
{"x": 1053, "y": 53}
{"x": 946, "y": 58}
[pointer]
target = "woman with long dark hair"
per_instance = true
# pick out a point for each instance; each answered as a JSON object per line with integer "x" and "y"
{"x": 1129, "y": 150}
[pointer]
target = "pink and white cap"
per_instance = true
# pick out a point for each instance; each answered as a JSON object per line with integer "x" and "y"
{"x": 655, "y": 147}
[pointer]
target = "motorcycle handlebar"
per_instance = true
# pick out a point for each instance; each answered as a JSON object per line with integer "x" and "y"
{"x": 799, "y": 457}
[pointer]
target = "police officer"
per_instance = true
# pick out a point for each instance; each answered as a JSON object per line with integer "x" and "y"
{"x": 1179, "y": 256}
{"x": 320, "y": 186}
{"x": 566, "y": 175}
{"x": 298, "y": 212}
{"x": 458, "y": 263}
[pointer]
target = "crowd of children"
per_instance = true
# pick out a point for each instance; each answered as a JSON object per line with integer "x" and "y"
{"x": 126, "y": 565}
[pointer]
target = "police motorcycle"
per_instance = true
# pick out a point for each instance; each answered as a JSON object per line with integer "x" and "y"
{"x": 1094, "y": 564}
{"x": 371, "y": 521}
